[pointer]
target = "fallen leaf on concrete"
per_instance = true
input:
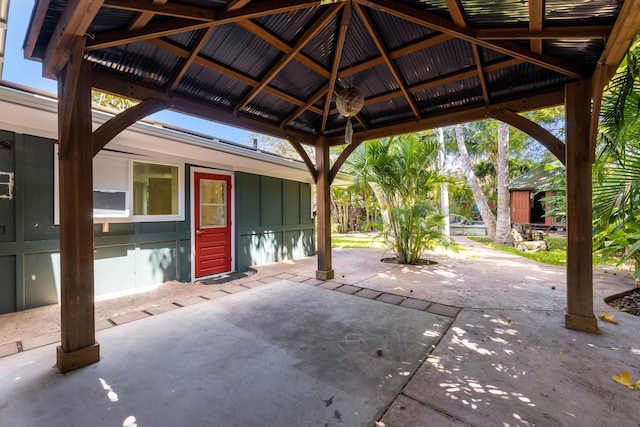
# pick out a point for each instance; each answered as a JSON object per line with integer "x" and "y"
{"x": 624, "y": 379}
{"x": 398, "y": 288}
{"x": 608, "y": 318}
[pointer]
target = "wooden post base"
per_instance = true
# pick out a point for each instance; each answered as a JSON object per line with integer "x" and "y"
{"x": 77, "y": 359}
{"x": 324, "y": 274}
{"x": 581, "y": 323}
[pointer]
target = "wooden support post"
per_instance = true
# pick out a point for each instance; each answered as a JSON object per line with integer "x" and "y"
{"x": 78, "y": 345}
{"x": 579, "y": 311}
{"x": 323, "y": 209}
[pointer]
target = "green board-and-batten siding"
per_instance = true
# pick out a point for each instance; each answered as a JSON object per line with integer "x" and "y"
{"x": 129, "y": 255}
{"x": 273, "y": 220}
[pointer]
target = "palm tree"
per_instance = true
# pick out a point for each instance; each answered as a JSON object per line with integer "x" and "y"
{"x": 402, "y": 172}
{"x": 474, "y": 184}
{"x": 503, "y": 223}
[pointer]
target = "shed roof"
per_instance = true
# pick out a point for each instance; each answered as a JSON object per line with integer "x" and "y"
{"x": 539, "y": 179}
{"x": 276, "y": 66}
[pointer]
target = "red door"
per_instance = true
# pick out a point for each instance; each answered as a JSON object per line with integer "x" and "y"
{"x": 520, "y": 207}
{"x": 212, "y": 200}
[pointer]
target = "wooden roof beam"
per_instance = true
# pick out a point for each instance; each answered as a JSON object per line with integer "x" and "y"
{"x": 113, "y": 84}
{"x": 236, "y": 4}
{"x": 397, "y": 75}
{"x": 179, "y": 25}
{"x": 536, "y": 21}
{"x": 307, "y": 106}
{"x": 533, "y": 101}
{"x": 169, "y": 9}
{"x": 457, "y": 13}
{"x": 337, "y": 55}
{"x": 200, "y": 41}
{"x": 306, "y": 38}
{"x": 438, "y": 23}
{"x": 483, "y": 82}
{"x": 143, "y": 18}
{"x": 74, "y": 22}
{"x": 208, "y": 63}
{"x": 395, "y": 54}
{"x": 546, "y": 33}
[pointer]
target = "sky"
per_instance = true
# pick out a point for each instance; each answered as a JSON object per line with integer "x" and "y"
{"x": 28, "y": 73}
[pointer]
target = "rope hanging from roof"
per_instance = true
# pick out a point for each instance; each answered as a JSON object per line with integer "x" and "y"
{"x": 349, "y": 102}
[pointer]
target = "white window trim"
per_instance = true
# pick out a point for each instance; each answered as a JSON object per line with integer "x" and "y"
{"x": 121, "y": 218}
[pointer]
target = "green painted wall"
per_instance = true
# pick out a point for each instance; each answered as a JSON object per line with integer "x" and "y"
{"x": 273, "y": 220}
{"x": 129, "y": 256}
{"x": 273, "y": 223}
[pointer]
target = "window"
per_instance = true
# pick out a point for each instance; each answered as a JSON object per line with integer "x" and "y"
{"x": 128, "y": 190}
{"x": 155, "y": 189}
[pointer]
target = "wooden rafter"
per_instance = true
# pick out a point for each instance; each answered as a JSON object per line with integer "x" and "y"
{"x": 565, "y": 33}
{"x": 110, "y": 83}
{"x": 337, "y": 55}
{"x": 397, "y": 75}
{"x": 530, "y": 101}
{"x": 143, "y": 18}
{"x": 395, "y": 54}
{"x": 314, "y": 98}
{"x": 536, "y": 22}
{"x": 306, "y": 38}
{"x": 202, "y": 38}
{"x": 274, "y": 41}
{"x": 429, "y": 20}
{"x": 169, "y": 9}
{"x": 236, "y": 4}
{"x": 207, "y": 63}
{"x": 180, "y": 25}
{"x": 75, "y": 19}
{"x": 483, "y": 82}
{"x": 457, "y": 13}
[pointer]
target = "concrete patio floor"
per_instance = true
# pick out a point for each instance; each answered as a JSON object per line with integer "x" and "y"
{"x": 475, "y": 340}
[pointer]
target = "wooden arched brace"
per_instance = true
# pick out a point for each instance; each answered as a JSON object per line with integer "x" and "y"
{"x": 534, "y": 130}
{"x": 112, "y": 127}
{"x": 342, "y": 158}
{"x": 305, "y": 158}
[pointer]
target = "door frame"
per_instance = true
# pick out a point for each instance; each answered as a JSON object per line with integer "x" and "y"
{"x": 198, "y": 169}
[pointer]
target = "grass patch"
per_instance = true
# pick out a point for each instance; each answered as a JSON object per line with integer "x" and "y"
{"x": 358, "y": 240}
{"x": 556, "y": 255}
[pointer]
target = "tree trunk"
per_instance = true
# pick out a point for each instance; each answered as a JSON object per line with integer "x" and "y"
{"x": 444, "y": 197}
{"x": 481, "y": 202}
{"x": 503, "y": 223}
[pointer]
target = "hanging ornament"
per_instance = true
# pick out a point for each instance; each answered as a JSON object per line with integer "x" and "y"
{"x": 349, "y": 102}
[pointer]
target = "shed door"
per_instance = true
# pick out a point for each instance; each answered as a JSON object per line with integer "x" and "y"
{"x": 212, "y": 224}
{"x": 520, "y": 207}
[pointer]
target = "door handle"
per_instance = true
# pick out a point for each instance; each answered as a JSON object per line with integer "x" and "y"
{"x": 198, "y": 232}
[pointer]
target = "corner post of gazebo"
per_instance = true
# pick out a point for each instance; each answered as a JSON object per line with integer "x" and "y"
{"x": 323, "y": 210}
{"x": 78, "y": 345}
{"x": 579, "y": 311}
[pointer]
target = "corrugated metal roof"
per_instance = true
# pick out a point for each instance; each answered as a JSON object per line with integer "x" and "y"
{"x": 297, "y": 80}
{"x": 205, "y": 85}
{"x": 321, "y": 47}
{"x": 388, "y": 26}
{"x": 358, "y": 46}
{"x": 486, "y": 14}
{"x": 142, "y": 61}
{"x": 242, "y": 50}
{"x": 290, "y": 26}
{"x": 237, "y": 55}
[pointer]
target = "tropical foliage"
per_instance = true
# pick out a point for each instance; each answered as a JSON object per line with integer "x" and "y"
{"x": 616, "y": 192}
{"x": 402, "y": 172}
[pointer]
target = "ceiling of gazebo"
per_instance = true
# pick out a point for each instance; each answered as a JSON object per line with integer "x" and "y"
{"x": 276, "y": 66}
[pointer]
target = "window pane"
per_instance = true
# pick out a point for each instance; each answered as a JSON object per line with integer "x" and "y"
{"x": 212, "y": 203}
{"x": 155, "y": 189}
{"x": 211, "y": 216}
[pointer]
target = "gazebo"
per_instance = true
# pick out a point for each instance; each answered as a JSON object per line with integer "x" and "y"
{"x": 278, "y": 67}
